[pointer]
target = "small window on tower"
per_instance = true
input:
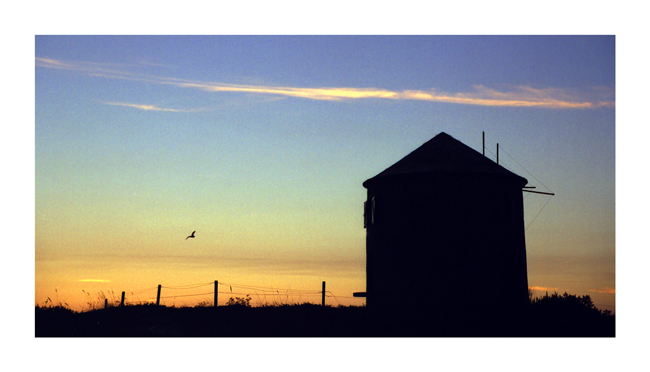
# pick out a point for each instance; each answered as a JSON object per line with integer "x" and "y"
{"x": 369, "y": 212}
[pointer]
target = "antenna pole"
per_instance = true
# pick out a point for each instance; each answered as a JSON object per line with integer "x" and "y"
{"x": 497, "y": 153}
{"x": 483, "y": 143}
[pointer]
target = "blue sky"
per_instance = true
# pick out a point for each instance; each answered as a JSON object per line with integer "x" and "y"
{"x": 261, "y": 144}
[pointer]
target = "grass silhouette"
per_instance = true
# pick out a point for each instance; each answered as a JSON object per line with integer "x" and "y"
{"x": 549, "y": 316}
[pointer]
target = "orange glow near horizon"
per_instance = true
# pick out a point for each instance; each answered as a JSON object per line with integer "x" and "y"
{"x": 187, "y": 284}
{"x": 607, "y": 290}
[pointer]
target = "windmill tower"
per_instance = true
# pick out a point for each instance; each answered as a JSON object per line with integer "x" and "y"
{"x": 445, "y": 233}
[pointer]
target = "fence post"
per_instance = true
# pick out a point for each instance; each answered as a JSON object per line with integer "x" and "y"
{"x": 105, "y": 303}
{"x": 216, "y": 292}
{"x": 323, "y": 293}
{"x": 122, "y": 302}
{"x": 158, "y": 297}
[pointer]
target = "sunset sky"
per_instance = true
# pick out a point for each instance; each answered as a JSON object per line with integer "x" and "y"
{"x": 261, "y": 145}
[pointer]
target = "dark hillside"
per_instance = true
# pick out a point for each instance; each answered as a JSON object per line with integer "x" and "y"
{"x": 306, "y": 320}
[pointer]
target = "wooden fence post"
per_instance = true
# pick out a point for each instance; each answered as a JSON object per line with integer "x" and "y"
{"x": 323, "y": 294}
{"x": 216, "y": 292}
{"x": 158, "y": 297}
{"x": 122, "y": 302}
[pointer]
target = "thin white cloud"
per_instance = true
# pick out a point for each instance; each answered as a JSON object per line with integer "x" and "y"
{"x": 53, "y": 63}
{"x": 522, "y": 96}
{"x": 518, "y": 96}
{"x": 148, "y": 107}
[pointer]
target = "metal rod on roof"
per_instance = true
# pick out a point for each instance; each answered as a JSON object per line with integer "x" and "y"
{"x": 483, "y": 143}
{"x": 497, "y": 153}
{"x": 539, "y": 192}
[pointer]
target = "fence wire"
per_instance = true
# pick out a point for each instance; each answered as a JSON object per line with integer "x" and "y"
{"x": 263, "y": 294}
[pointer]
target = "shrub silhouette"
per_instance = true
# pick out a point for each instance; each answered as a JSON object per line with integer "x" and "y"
{"x": 567, "y": 305}
{"x": 569, "y": 315}
{"x": 239, "y": 301}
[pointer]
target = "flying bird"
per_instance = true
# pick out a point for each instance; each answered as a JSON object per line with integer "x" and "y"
{"x": 191, "y": 236}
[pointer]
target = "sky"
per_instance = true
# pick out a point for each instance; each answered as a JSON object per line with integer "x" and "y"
{"x": 261, "y": 144}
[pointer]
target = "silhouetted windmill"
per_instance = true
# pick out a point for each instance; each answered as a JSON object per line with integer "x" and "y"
{"x": 449, "y": 223}
{"x": 191, "y": 236}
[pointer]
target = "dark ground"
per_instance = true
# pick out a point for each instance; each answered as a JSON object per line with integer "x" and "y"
{"x": 303, "y": 321}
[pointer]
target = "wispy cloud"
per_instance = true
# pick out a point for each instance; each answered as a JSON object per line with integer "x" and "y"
{"x": 535, "y": 288}
{"x": 604, "y": 290}
{"x": 149, "y": 107}
{"x": 520, "y": 96}
{"x": 479, "y": 95}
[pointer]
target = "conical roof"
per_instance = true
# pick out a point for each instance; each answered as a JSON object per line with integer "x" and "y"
{"x": 445, "y": 154}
